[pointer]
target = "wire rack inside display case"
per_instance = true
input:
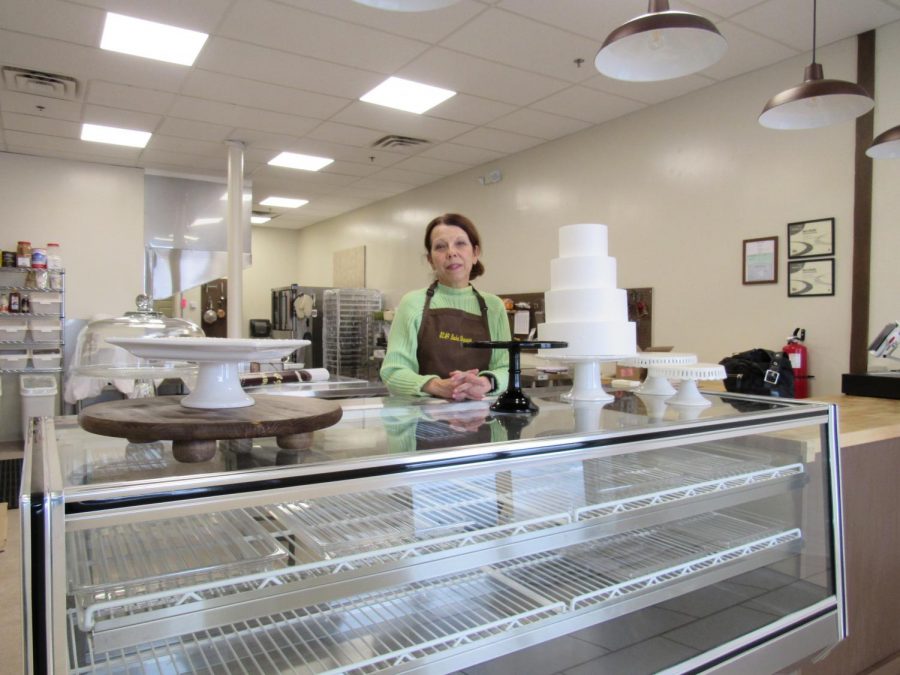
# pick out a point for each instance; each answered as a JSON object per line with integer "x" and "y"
{"x": 348, "y": 327}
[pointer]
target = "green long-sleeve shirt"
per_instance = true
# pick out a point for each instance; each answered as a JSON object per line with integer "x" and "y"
{"x": 400, "y": 370}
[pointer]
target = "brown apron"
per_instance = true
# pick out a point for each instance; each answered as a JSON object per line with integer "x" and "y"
{"x": 442, "y": 334}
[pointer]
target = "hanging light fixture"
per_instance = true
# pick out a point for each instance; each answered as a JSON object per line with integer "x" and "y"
{"x": 660, "y": 45}
{"x": 406, "y": 5}
{"x": 886, "y": 145}
{"x": 816, "y": 102}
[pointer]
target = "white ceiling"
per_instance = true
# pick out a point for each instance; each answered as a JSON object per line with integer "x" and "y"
{"x": 287, "y": 75}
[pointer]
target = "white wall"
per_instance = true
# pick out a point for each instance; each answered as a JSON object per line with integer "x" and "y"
{"x": 680, "y": 185}
{"x": 95, "y": 212}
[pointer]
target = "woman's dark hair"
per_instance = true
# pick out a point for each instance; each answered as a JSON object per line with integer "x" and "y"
{"x": 464, "y": 224}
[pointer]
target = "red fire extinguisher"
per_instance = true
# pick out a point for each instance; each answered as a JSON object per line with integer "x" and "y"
{"x": 799, "y": 355}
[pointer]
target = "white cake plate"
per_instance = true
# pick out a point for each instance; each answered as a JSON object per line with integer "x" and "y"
{"x": 689, "y": 374}
{"x": 587, "y": 385}
{"x": 656, "y": 384}
{"x": 218, "y": 380}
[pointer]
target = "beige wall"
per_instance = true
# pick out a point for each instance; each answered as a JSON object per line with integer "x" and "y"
{"x": 274, "y": 265}
{"x": 680, "y": 185}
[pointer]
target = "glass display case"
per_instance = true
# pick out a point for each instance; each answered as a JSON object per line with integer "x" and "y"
{"x": 419, "y": 535}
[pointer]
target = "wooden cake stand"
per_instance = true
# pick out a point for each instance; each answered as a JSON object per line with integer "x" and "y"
{"x": 194, "y": 431}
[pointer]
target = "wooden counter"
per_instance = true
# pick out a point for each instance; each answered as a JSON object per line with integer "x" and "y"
{"x": 869, "y": 430}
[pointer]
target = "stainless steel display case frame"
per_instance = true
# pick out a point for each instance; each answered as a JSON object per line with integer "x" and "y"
{"x": 54, "y": 508}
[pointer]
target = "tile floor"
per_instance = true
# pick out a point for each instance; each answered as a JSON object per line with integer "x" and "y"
{"x": 11, "y": 600}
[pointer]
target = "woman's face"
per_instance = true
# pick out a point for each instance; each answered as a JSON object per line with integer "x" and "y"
{"x": 452, "y": 255}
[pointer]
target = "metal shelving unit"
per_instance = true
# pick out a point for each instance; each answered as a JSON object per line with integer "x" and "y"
{"x": 348, "y": 329}
{"x": 11, "y": 280}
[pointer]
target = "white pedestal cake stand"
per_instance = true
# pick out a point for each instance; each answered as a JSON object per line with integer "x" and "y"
{"x": 218, "y": 380}
{"x": 587, "y": 385}
{"x": 656, "y": 384}
{"x": 689, "y": 374}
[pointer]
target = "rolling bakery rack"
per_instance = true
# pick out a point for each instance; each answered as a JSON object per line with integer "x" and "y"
{"x": 348, "y": 558}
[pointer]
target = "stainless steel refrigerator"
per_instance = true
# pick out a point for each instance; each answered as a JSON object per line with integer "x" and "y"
{"x": 297, "y": 313}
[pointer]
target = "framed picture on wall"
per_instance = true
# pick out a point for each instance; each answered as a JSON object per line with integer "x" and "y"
{"x": 811, "y": 238}
{"x": 761, "y": 260}
{"x": 809, "y": 278}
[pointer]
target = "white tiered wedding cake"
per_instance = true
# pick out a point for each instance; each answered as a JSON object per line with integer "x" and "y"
{"x": 583, "y": 306}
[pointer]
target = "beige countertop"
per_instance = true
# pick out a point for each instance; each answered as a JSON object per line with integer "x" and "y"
{"x": 864, "y": 419}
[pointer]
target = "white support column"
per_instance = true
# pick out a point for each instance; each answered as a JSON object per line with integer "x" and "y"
{"x": 235, "y": 238}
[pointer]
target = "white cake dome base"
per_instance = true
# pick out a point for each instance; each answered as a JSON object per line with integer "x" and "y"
{"x": 689, "y": 374}
{"x": 656, "y": 384}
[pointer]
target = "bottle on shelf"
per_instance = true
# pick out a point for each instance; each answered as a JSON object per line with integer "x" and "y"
{"x": 14, "y": 302}
{"x": 23, "y": 254}
{"x": 54, "y": 256}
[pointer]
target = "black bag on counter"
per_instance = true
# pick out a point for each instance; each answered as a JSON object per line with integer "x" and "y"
{"x": 760, "y": 372}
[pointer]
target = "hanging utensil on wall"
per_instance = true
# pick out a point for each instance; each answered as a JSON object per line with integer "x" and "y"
{"x": 209, "y": 316}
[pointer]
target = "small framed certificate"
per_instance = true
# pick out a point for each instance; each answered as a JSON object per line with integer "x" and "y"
{"x": 761, "y": 261}
{"x": 809, "y": 278}
{"x": 811, "y": 238}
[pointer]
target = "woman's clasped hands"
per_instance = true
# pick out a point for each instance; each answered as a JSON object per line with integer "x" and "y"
{"x": 460, "y": 386}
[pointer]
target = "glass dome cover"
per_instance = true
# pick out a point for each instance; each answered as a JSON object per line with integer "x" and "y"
{"x": 95, "y": 357}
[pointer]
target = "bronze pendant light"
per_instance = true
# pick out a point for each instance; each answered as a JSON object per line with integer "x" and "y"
{"x": 816, "y": 102}
{"x": 886, "y": 145}
{"x": 660, "y": 45}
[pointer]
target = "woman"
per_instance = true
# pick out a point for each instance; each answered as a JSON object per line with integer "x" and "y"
{"x": 425, "y": 355}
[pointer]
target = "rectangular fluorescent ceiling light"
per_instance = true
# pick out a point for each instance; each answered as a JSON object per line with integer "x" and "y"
{"x": 407, "y": 95}
{"x": 151, "y": 40}
{"x": 114, "y": 135}
{"x": 259, "y": 220}
{"x": 284, "y": 202}
{"x": 293, "y": 160}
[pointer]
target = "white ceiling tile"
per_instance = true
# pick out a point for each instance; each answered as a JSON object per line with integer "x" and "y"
{"x": 83, "y": 63}
{"x": 116, "y": 117}
{"x": 228, "y": 114}
{"x": 431, "y": 26}
{"x": 130, "y": 98}
{"x": 586, "y": 17}
{"x": 501, "y": 141}
{"x": 346, "y": 133}
{"x": 152, "y": 158}
{"x": 265, "y": 144}
{"x": 837, "y": 19}
{"x": 723, "y": 8}
{"x": 218, "y": 87}
{"x": 519, "y": 42}
{"x": 470, "y": 109}
{"x": 649, "y": 92}
{"x": 303, "y": 179}
{"x": 746, "y": 51}
{"x": 201, "y": 15}
{"x": 588, "y": 105}
{"x": 352, "y": 168}
{"x": 392, "y": 121}
{"x": 188, "y": 146}
{"x": 472, "y": 75}
{"x": 537, "y": 123}
{"x": 54, "y": 19}
{"x": 284, "y": 68}
{"x": 301, "y": 32}
{"x": 65, "y": 154}
{"x": 37, "y": 124}
{"x": 42, "y": 142}
{"x": 28, "y": 104}
{"x": 437, "y": 167}
{"x": 410, "y": 178}
{"x": 387, "y": 186}
{"x": 201, "y": 130}
{"x": 464, "y": 154}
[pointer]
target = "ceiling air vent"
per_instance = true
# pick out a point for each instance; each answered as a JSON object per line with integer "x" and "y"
{"x": 393, "y": 141}
{"x": 37, "y": 83}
